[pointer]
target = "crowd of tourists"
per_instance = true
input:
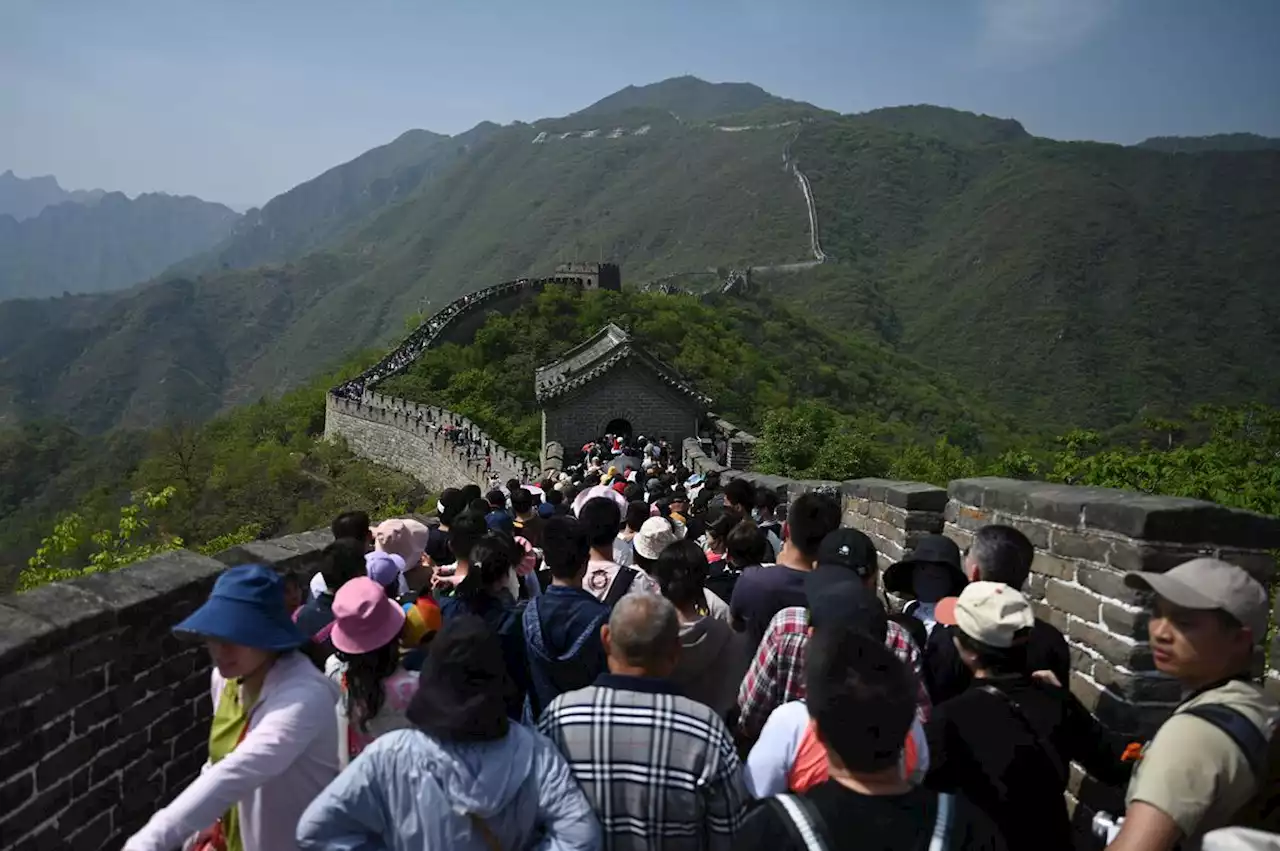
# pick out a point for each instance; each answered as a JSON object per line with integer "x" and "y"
{"x": 627, "y": 655}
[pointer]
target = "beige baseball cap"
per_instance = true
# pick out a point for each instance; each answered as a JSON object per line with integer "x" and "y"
{"x": 1210, "y": 583}
{"x": 989, "y": 612}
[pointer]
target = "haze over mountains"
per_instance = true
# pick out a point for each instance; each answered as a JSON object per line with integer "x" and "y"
{"x": 1073, "y": 283}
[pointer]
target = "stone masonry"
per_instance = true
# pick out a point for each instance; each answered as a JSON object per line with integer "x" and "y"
{"x": 386, "y": 430}
{"x": 104, "y": 713}
{"x": 1085, "y": 539}
{"x": 624, "y": 392}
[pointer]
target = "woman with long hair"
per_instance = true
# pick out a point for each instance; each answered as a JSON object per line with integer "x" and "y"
{"x": 376, "y": 690}
{"x": 464, "y": 777}
{"x": 271, "y": 739}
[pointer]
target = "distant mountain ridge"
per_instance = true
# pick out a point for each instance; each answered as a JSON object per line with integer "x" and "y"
{"x": 24, "y": 198}
{"x": 109, "y": 244}
{"x": 1217, "y": 142}
{"x": 955, "y": 235}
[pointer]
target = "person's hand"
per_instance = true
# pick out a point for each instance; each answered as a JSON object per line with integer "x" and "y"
{"x": 1046, "y": 677}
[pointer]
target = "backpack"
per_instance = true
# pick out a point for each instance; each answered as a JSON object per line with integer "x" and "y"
{"x": 809, "y": 831}
{"x": 1262, "y": 812}
{"x": 621, "y": 585}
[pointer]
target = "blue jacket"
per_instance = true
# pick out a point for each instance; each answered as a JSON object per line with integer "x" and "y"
{"x": 408, "y": 791}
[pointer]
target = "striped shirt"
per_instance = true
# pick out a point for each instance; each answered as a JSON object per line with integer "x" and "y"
{"x": 659, "y": 769}
{"x": 776, "y": 675}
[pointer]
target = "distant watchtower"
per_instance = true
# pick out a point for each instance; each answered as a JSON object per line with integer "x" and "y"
{"x": 589, "y": 276}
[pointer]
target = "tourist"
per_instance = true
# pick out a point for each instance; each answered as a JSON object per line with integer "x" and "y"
{"x": 715, "y": 541}
{"x": 866, "y": 802}
{"x": 467, "y": 528}
{"x": 739, "y": 497}
{"x": 294, "y": 596}
{"x": 656, "y": 534}
{"x": 408, "y": 539}
{"x": 464, "y": 777}
{"x": 745, "y": 547}
{"x": 764, "y": 515}
{"x": 606, "y": 580}
{"x": 997, "y": 554}
{"x": 366, "y": 665}
{"x": 273, "y": 734}
{"x": 659, "y": 769}
{"x": 776, "y": 674}
{"x": 340, "y": 562}
{"x": 762, "y": 593}
{"x": 623, "y": 548}
{"x": 562, "y": 626}
{"x": 931, "y": 572}
{"x": 789, "y": 756}
{"x": 713, "y": 657}
{"x": 1006, "y": 742}
{"x": 386, "y": 569}
{"x": 528, "y": 524}
{"x": 1206, "y": 767}
{"x": 349, "y": 524}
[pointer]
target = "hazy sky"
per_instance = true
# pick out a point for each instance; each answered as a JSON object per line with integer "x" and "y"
{"x": 237, "y": 101}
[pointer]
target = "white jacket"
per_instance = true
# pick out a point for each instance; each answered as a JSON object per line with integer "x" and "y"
{"x": 286, "y": 758}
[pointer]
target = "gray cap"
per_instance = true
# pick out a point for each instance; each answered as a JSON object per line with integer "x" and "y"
{"x": 1209, "y": 583}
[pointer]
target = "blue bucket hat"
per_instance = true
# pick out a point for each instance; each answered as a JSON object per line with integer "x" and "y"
{"x": 247, "y": 608}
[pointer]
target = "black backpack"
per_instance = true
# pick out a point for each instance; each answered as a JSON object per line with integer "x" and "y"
{"x": 1262, "y": 812}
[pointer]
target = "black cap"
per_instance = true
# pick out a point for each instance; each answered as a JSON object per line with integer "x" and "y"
{"x": 465, "y": 684}
{"x": 931, "y": 549}
{"x": 848, "y": 549}
{"x": 848, "y": 604}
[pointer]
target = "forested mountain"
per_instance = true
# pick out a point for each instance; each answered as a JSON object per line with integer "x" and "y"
{"x": 1070, "y": 283}
{"x": 23, "y": 198}
{"x": 110, "y": 244}
{"x": 1218, "y": 142}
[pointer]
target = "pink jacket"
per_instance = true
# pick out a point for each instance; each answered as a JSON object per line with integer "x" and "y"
{"x": 286, "y": 758}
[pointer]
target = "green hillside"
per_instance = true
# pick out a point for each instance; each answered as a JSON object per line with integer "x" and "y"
{"x": 1070, "y": 283}
{"x": 1218, "y": 142}
{"x": 111, "y": 243}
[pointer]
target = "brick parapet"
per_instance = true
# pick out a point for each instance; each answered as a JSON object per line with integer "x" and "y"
{"x": 104, "y": 713}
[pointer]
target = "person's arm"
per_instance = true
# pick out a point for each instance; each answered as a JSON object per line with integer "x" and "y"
{"x": 350, "y": 814}
{"x": 773, "y": 754}
{"x": 564, "y": 813}
{"x": 1146, "y": 828}
{"x": 946, "y": 752}
{"x": 759, "y": 693}
{"x": 945, "y": 673}
{"x": 725, "y": 797}
{"x": 1095, "y": 746}
{"x": 737, "y": 601}
{"x": 283, "y": 732}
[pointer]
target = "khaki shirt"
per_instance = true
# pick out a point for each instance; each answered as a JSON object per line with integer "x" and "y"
{"x": 1195, "y": 773}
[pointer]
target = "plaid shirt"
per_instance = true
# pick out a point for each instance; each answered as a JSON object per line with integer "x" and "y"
{"x": 660, "y": 770}
{"x": 776, "y": 675}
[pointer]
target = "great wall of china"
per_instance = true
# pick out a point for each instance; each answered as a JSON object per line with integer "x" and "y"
{"x": 104, "y": 713}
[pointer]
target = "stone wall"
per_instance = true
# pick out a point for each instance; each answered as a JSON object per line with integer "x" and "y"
{"x": 625, "y": 392}
{"x": 104, "y": 713}
{"x": 1085, "y": 539}
{"x": 742, "y": 444}
{"x": 388, "y": 431}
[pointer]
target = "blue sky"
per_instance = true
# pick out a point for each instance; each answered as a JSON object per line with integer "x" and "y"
{"x": 237, "y": 101}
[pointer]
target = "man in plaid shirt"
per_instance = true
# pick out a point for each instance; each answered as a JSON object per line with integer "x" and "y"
{"x": 776, "y": 675}
{"x": 659, "y": 769}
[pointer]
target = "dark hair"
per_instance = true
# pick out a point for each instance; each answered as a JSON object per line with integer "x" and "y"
{"x": 681, "y": 572}
{"x": 351, "y": 524}
{"x": 766, "y": 498}
{"x": 521, "y": 501}
{"x": 850, "y": 675}
{"x": 997, "y": 660}
{"x": 1003, "y": 555}
{"x": 478, "y": 506}
{"x": 723, "y": 525}
{"x": 741, "y": 493}
{"x": 600, "y": 518}
{"x": 553, "y": 496}
{"x": 467, "y": 528}
{"x": 633, "y": 491}
{"x": 812, "y": 517}
{"x": 289, "y": 577}
{"x": 513, "y": 485}
{"x": 470, "y": 492}
{"x": 496, "y": 498}
{"x": 637, "y": 513}
{"x": 452, "y": 502}
{"x": 364, "y": 676}
{"x": 341, "y": 561}
{"x": 746, "y": 544}
{"x": 492, "y": 558}
{"x": 565, "y": 548}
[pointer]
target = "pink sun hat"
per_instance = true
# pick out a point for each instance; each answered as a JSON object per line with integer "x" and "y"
{"x": 364, "y": 617}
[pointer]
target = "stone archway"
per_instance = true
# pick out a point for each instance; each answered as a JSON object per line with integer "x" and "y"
{"x": 620, "y": 426}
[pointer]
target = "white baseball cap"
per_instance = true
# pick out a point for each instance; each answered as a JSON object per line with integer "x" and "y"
{"x": 991, "y": 613}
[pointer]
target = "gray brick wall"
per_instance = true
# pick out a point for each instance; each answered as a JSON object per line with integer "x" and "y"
{"x": 626, "y": 392}
{"x": 104, "y": 714}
